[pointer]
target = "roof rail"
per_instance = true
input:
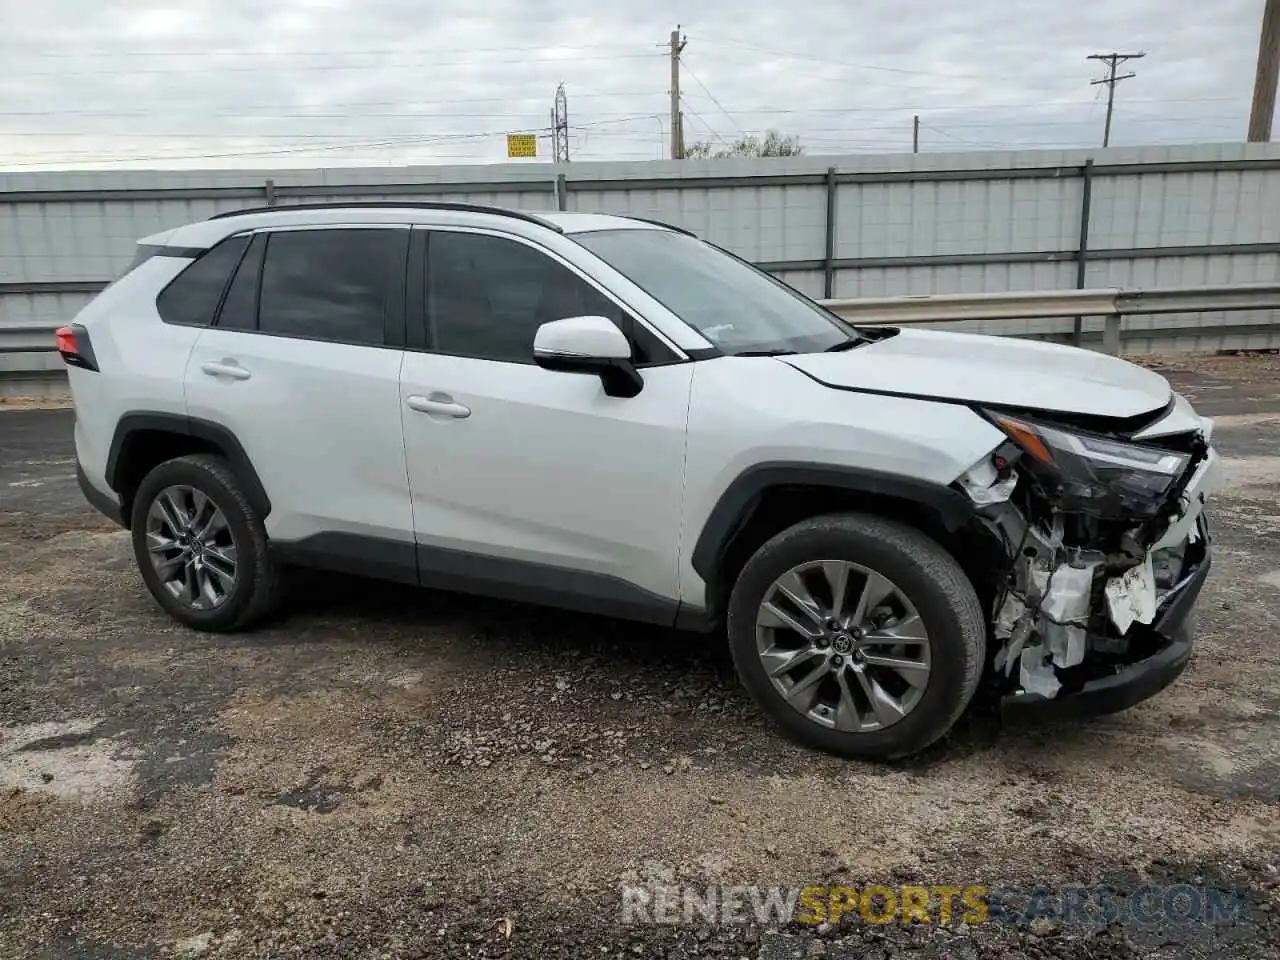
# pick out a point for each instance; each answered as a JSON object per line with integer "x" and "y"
{"x": 394, "y": 204}
{"x": 669, "y": 226}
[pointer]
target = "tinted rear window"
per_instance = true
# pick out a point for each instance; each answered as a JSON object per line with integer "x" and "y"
{"x": 192, "y": 298}
{"x": 329, "y": 284}
{"x": 240, "y": 305}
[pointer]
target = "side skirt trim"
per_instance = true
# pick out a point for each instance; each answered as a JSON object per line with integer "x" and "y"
{"x": 537, "y": 583}
{"x": 351, "y": 553}
{"x": 486, "y": 576}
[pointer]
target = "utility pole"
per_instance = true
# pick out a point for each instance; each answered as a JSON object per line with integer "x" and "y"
{"x": 915, "y": 134}
{"x": 1113, "y": 60}
{"x": 677, "y": 121}
{"x": 1264, "y": 84}
{"x": 560, "y": 127}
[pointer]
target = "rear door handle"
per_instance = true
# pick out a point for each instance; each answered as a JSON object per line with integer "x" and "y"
{"x": 439, "y": 405}
{"x": 226, "y": 368}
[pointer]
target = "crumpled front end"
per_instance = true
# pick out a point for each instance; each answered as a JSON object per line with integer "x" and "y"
{"x": 1103, "y": 547}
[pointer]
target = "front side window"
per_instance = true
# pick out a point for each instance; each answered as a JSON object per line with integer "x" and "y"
{"x": 487, "y": 296}
{"x": 329, "y": 284}
{"x": 740, "y": 309}
{"x": 192, "y": 298}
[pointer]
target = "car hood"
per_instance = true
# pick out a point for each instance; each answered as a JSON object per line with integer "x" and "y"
{"x": 1001, "y": 371}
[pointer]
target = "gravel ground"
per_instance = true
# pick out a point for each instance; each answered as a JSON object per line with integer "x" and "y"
{"x": 384, "y": 772}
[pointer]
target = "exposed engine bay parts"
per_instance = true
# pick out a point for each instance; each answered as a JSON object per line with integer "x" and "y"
{"x": 1098, "y": 533}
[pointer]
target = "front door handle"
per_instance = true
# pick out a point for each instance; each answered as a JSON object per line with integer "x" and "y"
{"x": 439, "y": 405}
{"x": 226, "y": 368}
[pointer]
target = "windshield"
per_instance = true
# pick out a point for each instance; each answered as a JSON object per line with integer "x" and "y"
{"x": 737, "y": 307}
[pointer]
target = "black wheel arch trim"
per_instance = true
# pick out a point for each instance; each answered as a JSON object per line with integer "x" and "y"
{"x": 213, "y": 433}
{"x": 739, "y": 500}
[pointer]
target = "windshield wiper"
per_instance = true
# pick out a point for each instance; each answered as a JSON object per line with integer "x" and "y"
{"x": 780, "y": 352}
{"x": 844, "y": 345}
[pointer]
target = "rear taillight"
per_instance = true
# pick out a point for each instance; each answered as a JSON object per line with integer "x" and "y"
{"x": 74, "y": 346}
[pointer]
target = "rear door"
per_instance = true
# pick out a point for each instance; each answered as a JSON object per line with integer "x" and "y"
{"x": 302, "y": 366}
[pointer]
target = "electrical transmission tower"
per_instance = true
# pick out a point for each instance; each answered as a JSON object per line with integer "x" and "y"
{"x": 1113, "y": 60}
{"x": 560, "y": 127}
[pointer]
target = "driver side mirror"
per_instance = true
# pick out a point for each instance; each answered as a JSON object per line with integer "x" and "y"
{"x": 592, "y": 345}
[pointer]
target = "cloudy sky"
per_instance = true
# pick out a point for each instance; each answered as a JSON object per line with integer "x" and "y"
{"x": 202, "y": 83}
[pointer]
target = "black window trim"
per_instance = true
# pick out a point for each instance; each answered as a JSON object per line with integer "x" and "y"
{"x": 417, "y": 308}
{"x": 393, "y": 318}
{"x": 196, "y": 254}
{"x": 257, "y": 287}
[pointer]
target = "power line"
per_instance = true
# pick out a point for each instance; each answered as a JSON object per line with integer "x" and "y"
{"x": 245, "y": 112}
{"x": 712, "y": 96}
{"x": 720, "y": 38}
{"x": 202, "y": 52}
{"x": 1134, "y": 117}
{"x": 309, "y": 148}
{"x": 703, "y": 120}
{"x": 429, "y": 64}
{"x": 824, "y": 77}
{"x": 949, "y": 136}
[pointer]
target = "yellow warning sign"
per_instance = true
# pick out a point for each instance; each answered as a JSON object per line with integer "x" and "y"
{"x": 522, "y": 145}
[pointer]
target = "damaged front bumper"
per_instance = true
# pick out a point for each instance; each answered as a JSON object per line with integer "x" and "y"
{"x": 1103, "y": 548}
{"x": 1171, "y": 635}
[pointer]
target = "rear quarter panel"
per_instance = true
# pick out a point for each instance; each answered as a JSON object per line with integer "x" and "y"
{"x": 141, "y": 362}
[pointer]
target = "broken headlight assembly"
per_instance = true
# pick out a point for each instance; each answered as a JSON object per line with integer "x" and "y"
{"x": 1087, "y": 473}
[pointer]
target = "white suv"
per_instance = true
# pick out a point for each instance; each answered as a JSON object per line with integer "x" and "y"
{"x": 610, "y": 415}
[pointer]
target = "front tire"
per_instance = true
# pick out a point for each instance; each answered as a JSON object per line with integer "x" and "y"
{"x": 858, "y": 635}
{"x": 200, "y": 545}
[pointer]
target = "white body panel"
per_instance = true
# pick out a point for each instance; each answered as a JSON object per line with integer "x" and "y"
{"x": 581, "y": 337}
{"x": 996, "y": 370}
{"x": 320, "y": 422}
{"x": 546, "y": 468}
{"x": 746, "y": 411}
{"x": 144, "y": 355}
{"x": 1181, "y": 419}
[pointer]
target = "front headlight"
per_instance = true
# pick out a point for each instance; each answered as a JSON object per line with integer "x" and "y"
{"x": 1095, "y": 474}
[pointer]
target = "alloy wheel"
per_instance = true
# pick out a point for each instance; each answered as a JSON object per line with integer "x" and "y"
{"x": 191, "y": 547}
{"x": 843, "y": 645}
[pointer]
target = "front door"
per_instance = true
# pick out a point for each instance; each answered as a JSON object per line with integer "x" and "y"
{"x": 530, "y": 483}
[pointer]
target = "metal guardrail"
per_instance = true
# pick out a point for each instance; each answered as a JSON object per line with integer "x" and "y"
{"x": 940, "y": 307}
{"x": 28, "y": 339}
{"x": 1110, "y": 304}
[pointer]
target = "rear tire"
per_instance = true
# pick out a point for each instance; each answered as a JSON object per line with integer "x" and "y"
{"x": 200, "y": 545}
{"x": 875, "y": 677}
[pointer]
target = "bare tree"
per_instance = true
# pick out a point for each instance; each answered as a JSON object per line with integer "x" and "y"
{"x": 772, "y": 144}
